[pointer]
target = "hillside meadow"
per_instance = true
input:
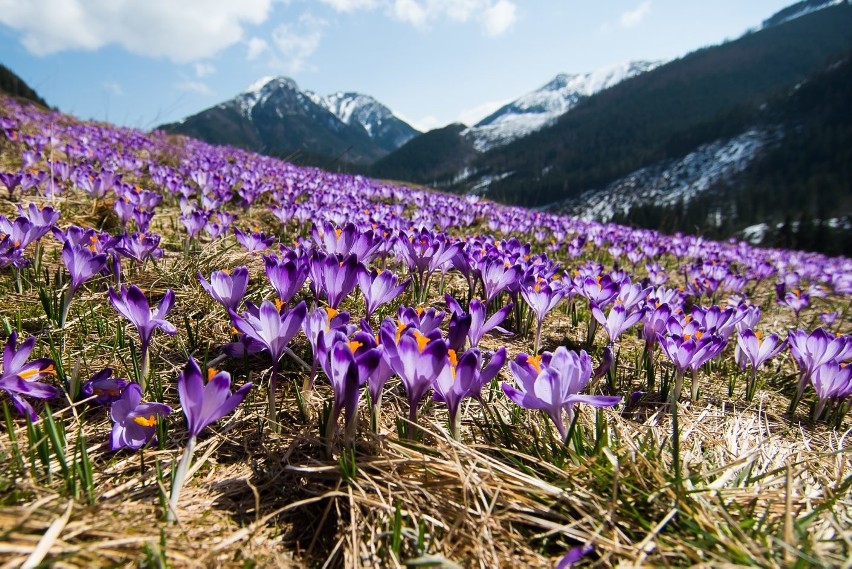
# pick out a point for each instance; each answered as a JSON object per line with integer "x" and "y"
{"x": 216, "y": 358}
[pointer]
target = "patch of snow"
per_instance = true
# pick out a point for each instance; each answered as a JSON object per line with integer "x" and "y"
{"x": 754, "y": 233}
{"x": 671, "y": 181}
{"x": 258, "y": 85}
{"x": 484, "y": 184}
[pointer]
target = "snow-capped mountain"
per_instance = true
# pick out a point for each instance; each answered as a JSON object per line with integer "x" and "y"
{"x": 543, "y": 106}
{"x": 386, "y": 129}
{"x": 275, "y": 116}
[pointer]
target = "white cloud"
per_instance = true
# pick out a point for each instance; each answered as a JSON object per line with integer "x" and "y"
{"x": 190, "y": 86}
{"x": 256, "y": 48}
{"x": 183, "y": 31}
{"x": 634, "y": 17}
{"x": 409, "y": 11}
{"x": 351, "y": 5}
{"x": 113, "y": 88}
{"x": 475, "y": 114}
{"x": 495, "y": 16}
{"x": 499, "y": 18}
{"x": 296, "y": 42}
{"x": 427, "y": 123}
{"x": 204, "y": 69}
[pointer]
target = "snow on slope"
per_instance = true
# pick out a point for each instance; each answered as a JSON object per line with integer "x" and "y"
{"x": 799, "y": 10}
{"x": 260, "y": 91}
{"x": 668, "y": 182}
{"x": 543, "y": 106}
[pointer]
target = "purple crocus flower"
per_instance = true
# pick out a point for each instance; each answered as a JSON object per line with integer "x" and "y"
{"x": 205, "y": 404}
{"x": 619, "y": 319}
{"x": 574, "y": 555}
{"x": 103, "y": 387}
{"x": 44, "y": 218}
{"x": 831, "y": 380}
{"x": 333, "y": 277}
{"x": 797, "y": 299}
{"x": 132, "y": 304}
{"x": 690, "y": 352}
{"x": 379, "y": 287}
{"x": 497, "y": 277}
{"x": 194, "y": 222}
{"x": 425, "y": 253}
{"x": 11, "y": 180}
{"x": 139, "y": 246}
{"x": 552, "y": 383}
{"x": 654, "y": 326}
{"x": 601, "y": 290}
{"x": 464, "y": 377}
{"x": 417, "y": 359}
{"x": 286, "y": 275}
{"x": 479, "y": 325}
{"x": 423, "y": 320}
{"x": 754, "y": 350}
{"x": 348, "y": 366}
{"x": 273, "y": 327}
{"x": 541, "y": 297}
{"x": 346, "y": 240}
{"x": 19, "y": 378}
{"x": 254, "y": 241}
{"x": 813, "y": 350}
{"x": 227, "y": 287}
{"x": 82, "y": 264}
{"x": 134, "y": 422}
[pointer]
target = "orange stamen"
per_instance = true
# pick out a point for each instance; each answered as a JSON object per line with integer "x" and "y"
{"x": 422, "y": 341}
{"x": 535, "y": 361}
{"x": 143, "y": 422}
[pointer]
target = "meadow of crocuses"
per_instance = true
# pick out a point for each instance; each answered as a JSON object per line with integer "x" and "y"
{"x": 218, "y": 358}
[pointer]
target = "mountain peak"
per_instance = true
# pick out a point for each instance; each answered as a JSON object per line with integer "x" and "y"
{"x": 359, "y": 110}
{"x": 541, "y": 107}
{"x": 271, "y": 82}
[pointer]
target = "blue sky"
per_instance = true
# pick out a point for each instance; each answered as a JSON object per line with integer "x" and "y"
{"x": 141, "y": 63}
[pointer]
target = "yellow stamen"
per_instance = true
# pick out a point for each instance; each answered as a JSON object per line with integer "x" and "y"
{"x": 535, "y": 361}
{"x": 419, "y": 311}
{"x": 227, "y": 272}
{"x": 337, "y": 232}
{"x": 354, "y": 345}
{"x": 143, "y": 422}
{"x": 422, "y": 341}
{"x": 211, "y": 372}
{"x": 698, "y": 334}
{"x": 399, "y": 328}
{"x": 331, "y": 312}
{"x": 278, "y": 304}
{"x": 454, "y": 361}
